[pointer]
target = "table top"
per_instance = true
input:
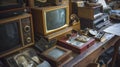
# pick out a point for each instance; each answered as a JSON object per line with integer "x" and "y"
{"x": 114, "y": 29}
{"x": 87, "y": 52}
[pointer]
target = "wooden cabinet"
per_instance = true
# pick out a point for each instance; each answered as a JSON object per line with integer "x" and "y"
{"x": 89, "y": 12}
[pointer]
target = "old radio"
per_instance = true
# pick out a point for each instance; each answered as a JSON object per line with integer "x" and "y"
{"x": 90, "y": 12}
{"x": 57, "y": 55}
{"x": 97, "y": 23}
{"x": 16, "y": 33}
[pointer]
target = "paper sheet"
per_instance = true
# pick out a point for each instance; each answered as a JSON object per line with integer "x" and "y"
{"x": 114, "y": 29}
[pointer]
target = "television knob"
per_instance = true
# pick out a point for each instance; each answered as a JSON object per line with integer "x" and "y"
{"x": 27, "y": 28}
{"x": 28, "y": 39}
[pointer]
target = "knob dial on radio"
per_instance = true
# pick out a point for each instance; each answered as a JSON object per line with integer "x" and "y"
{"x": 27, "y": 28}
{"x": 28, "y": 39}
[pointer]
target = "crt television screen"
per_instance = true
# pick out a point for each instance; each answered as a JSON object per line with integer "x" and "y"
{"x": 7, "y": 2}
{"x": 9, "y": 36}
{"x": 55, "y": 18}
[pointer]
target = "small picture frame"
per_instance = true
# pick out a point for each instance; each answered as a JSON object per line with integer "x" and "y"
{"x": 57, "y": 55}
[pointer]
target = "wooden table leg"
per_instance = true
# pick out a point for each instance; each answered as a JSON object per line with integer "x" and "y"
{"x": 116, "y": 51}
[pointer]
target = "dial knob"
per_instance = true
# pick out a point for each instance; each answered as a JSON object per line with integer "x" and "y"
{"x": 28, "y": 39}
{"x": 27, "y": 28}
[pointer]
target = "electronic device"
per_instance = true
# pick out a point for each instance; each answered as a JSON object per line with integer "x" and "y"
{"x": 90, "y": 12}
{"x": 15, "y": 33}
{"x": 42, "y": 44}
{"x": 99, "y": 35}
{"x": 48, "y": 20}
{"x": 101, "y": 22}
{"x": 97, "y": 23}
{"x": 57, "y": 55}
{"x": 7, "y": 4}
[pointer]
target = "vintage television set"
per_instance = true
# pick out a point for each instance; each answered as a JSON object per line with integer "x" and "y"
{"x": 10, "y": 4}
{"x": 48, "y": 20}
{"x": 15, "y": 33}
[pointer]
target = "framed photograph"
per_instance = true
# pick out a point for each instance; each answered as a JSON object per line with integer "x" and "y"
{"x": 57, "y": 55}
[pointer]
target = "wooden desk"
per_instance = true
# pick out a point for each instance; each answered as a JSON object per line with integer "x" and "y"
{"x": 88, "y": 56}
{"x": 114, "y": 29}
